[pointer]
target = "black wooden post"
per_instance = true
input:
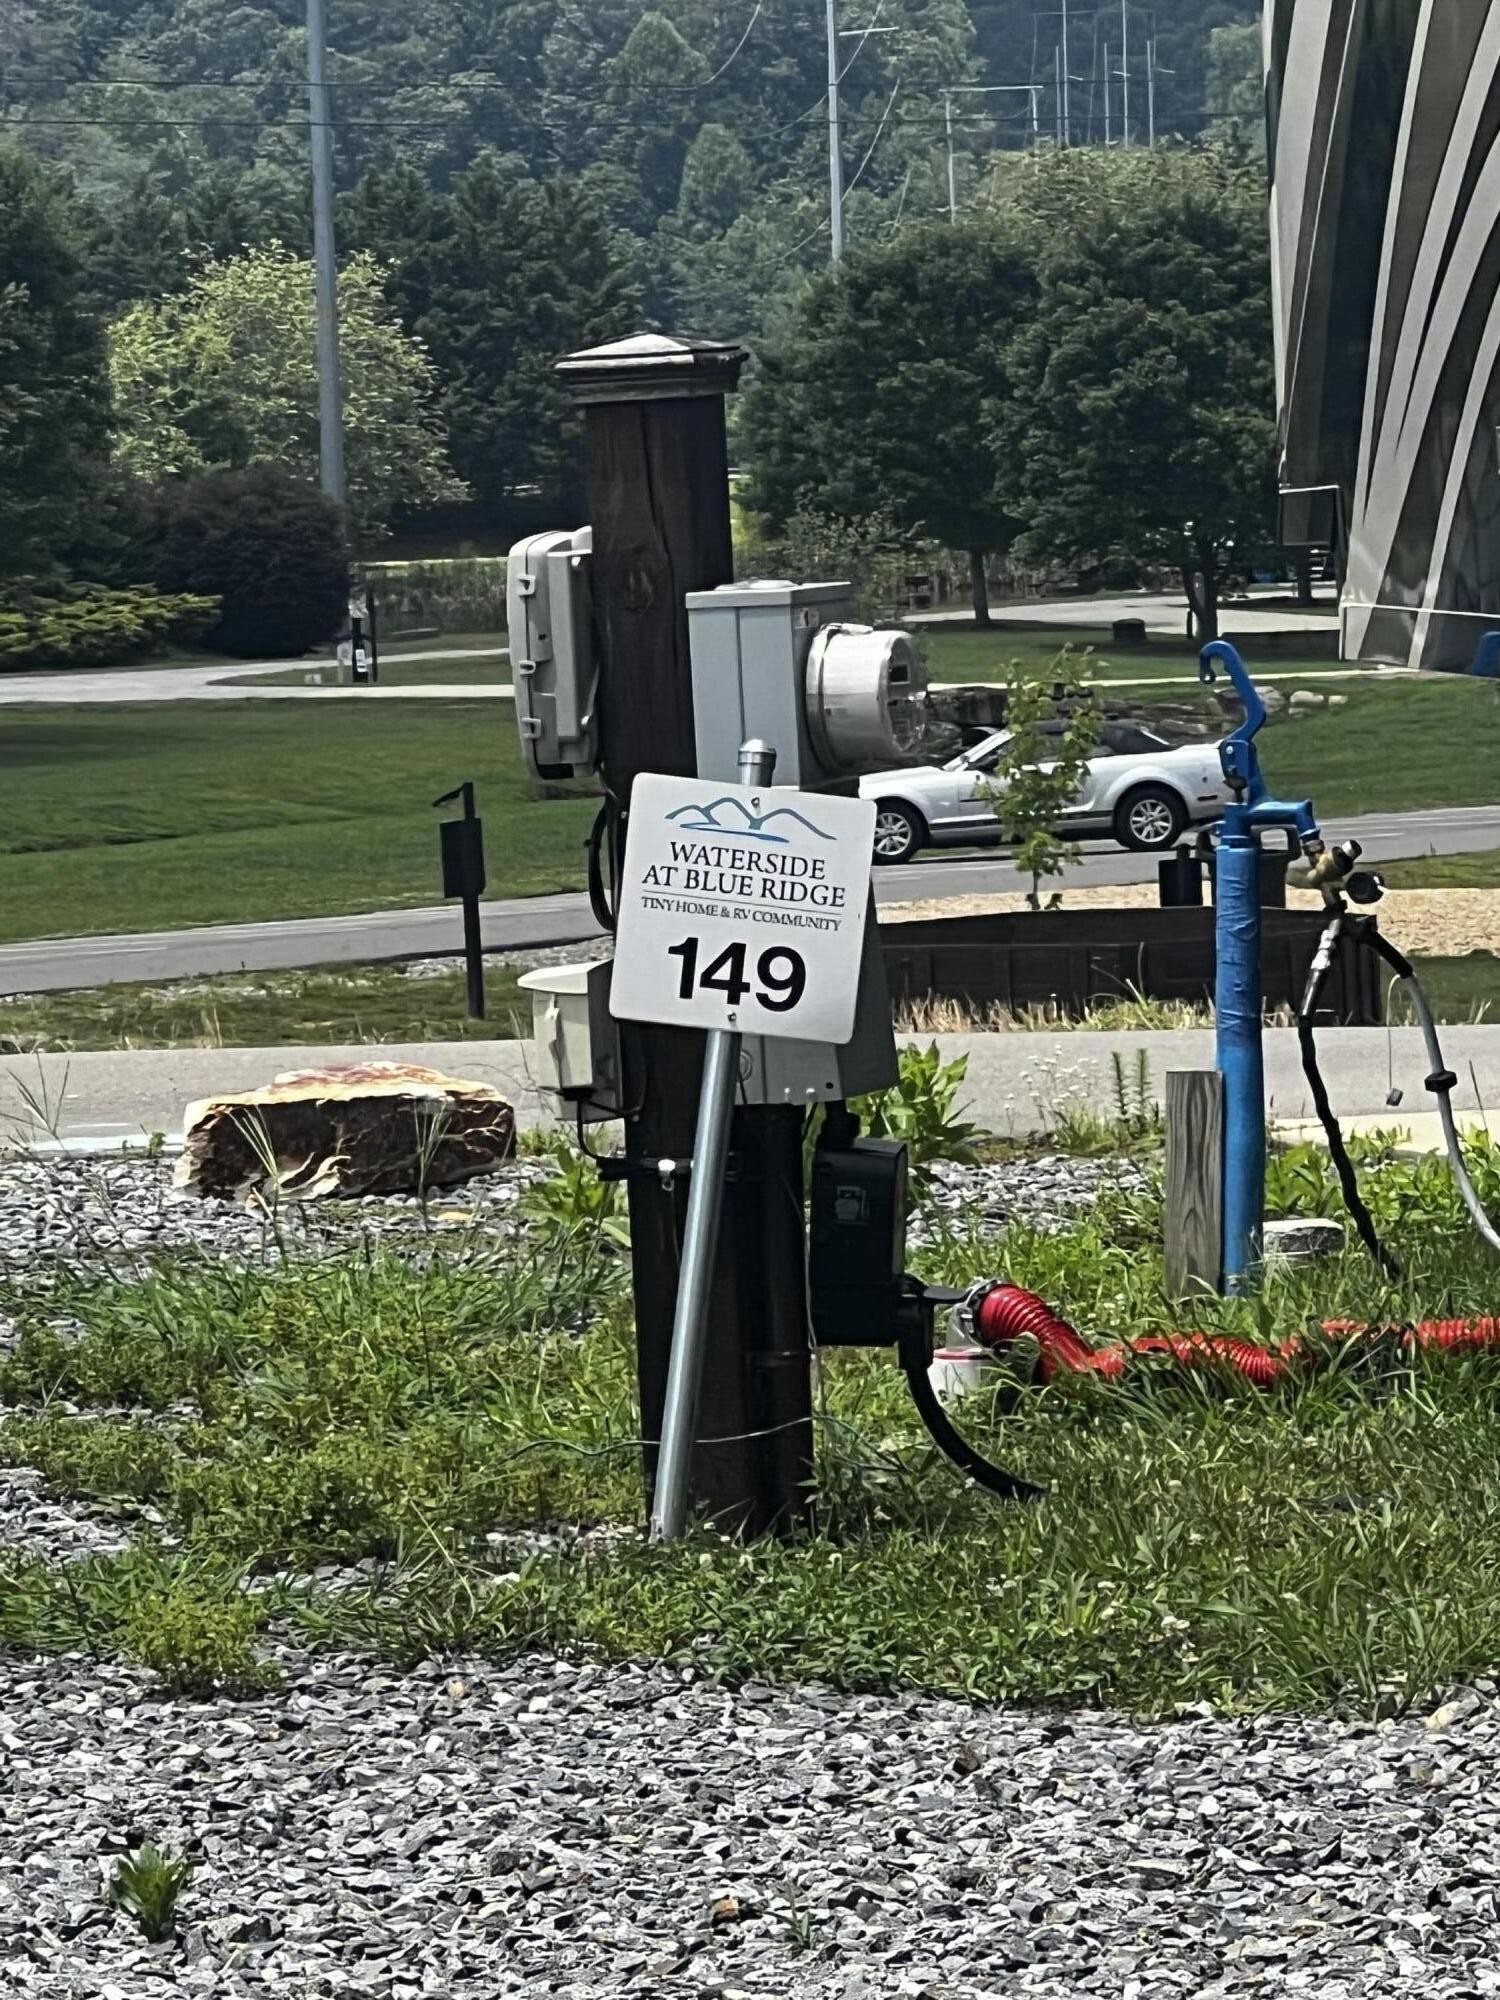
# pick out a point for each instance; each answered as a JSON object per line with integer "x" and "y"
{"x": 658, "y": 485}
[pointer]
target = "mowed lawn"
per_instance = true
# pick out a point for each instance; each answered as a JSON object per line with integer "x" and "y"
{"x": 959, "y": 653}
{"x": 166, "y": 814}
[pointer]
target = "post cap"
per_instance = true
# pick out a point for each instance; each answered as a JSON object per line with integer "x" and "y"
{"x": 646, "y": 366}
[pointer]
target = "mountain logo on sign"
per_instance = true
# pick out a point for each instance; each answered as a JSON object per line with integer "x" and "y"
{"x": 731, "y": 816}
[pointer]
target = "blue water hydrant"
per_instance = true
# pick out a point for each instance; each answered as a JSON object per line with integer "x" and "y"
{"x": 1239, "y": 1056}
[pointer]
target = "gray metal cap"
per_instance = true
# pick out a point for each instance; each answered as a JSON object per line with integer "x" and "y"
{"x": 645, "y": 366}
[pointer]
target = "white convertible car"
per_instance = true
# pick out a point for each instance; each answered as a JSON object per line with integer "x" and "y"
{"x": 1139, "y": 790}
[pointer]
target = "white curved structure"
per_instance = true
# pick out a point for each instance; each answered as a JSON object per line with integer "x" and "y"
{"x": 1384, "y": 125}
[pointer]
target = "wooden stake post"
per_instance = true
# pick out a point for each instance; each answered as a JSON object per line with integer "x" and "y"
{"x": 1194, "y": 1199}
{"x": 658, "y": 483}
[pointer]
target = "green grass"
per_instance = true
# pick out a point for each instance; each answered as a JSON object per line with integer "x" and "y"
{"x": 959, "y": 654}
{"x": 145, "y": 817}
{"x": 1396, "y": 747}
{"x": 1445, "y": 871}
{"x": 1333, "y": 1545}
{"x": 1461, "y": 990}
{"x": 237, "y": 1010}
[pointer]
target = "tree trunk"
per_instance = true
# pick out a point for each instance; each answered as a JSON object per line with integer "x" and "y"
{"x": 1208, "y": 605}
{"x": 1202, "y": 587}
{"x": 981, "y": 590}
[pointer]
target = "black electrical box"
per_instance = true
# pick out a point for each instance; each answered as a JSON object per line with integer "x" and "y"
{"x": 463, "y": 856}
{"x": 857, "y": 1247}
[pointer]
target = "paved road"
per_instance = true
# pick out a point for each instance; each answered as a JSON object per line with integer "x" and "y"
{"x": 226, "y": 681}
{"x": 1015, "y": 1084}
{"x": 53, "y": 964}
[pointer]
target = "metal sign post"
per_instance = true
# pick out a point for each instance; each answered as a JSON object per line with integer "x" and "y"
{"x": 742, "y": 911}
{"x": 721, "y": 1070}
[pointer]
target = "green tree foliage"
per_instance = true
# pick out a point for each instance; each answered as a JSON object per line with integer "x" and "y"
{"x": 1142, "y": 420}
{"x": 53, "y": 389}
{"x": 497, "y": 278}
{"x": 882, "y": 393}
{"x": 1042, "y": 766}
{"x": 1235, "y": 88}
{"x": 269, "y": 546}
{"x": 226, "y": 376}
{"x": 613, "y": 95}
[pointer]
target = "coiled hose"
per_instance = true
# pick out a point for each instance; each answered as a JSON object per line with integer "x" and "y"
{"x": 1006, "y": 1315}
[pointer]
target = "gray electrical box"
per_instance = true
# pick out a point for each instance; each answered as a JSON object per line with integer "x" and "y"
{"x": 784, "y": 662}
{"x": 549, "y": 613}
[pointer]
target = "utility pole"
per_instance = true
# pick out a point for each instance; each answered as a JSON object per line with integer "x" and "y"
{"x": 658, "y": 488}
{"x": 1124, "y": 72}
{"x": 325, "y": 257}
{"x": 948, "y": 130}
{"x": 1057, "y": 93}
{"x": 1108, "y": 134}
{"x": 1151, "y": 92}
{"x": 835, "y": 144}
{"x": 1067, "y": 121}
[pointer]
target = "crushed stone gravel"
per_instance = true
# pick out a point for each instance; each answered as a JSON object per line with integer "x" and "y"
{"x": 554, "y": 1829}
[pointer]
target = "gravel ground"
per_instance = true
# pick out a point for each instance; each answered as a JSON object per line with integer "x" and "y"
{"x": 125, "y": 1209}
{"x": 550, "y": 1829}
{"x": 545, "y": 1828}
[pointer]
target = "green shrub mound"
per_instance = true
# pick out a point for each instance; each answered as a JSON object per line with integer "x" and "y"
{"x": 85, "y": 625}
{"x": 271, "y": 548}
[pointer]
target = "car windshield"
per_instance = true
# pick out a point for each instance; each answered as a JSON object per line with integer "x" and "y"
{"x": 979, "y": 755}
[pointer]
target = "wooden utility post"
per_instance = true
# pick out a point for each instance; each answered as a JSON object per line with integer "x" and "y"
{"x": 658, "y": 484}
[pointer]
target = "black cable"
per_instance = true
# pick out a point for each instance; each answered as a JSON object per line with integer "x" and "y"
{"x": 1354, "y": 1201}
{"x": 599, "y": 900}
{"x": 916, "y": 1358}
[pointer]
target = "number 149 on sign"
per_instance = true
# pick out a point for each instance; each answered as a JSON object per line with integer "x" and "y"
{"x": 778, "y": 978}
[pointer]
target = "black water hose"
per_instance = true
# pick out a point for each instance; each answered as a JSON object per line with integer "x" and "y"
{"x": 916, "y": 1358}
{"x": 1354, "y": 1201}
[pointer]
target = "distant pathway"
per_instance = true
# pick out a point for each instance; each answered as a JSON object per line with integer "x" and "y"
{"x": 229, "y": 680}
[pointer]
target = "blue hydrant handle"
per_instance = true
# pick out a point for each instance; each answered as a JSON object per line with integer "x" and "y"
{"x": 1237, "y": 755}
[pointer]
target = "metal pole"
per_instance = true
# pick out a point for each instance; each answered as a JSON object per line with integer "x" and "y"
{"x": 1240, "y": 1055}
{"x": 948, "y": 129}
{"x": 721, "y": 1071}
{"x": 1057, "y": 99}
{"x": 1125, "y": 72}
{"x": 325, "y": 257}
{"x": 1036, "y": 116}
{"x": 1108, "y": 135}
{"x": 1151, "y": 92}
{"x": 835, "y": 150}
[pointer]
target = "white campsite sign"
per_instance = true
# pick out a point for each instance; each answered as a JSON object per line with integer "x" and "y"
{"x": 741, "y": 909}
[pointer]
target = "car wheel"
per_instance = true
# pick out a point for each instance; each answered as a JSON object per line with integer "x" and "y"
{"x": 898, "y": 833}
{"x": 1148, "y": 818}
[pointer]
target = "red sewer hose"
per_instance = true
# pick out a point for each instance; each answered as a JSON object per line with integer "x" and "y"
{"x": 1006, "y": 1314}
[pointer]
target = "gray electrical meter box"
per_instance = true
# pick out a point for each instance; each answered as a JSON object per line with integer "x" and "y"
{"x": 785, "y": 662}
{"x": 549, "y": 613}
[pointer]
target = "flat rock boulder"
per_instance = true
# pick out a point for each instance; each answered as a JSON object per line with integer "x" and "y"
{"x": 350, "y": 1129}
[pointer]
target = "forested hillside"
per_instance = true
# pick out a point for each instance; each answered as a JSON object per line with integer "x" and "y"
{"x": 692, "y": 132}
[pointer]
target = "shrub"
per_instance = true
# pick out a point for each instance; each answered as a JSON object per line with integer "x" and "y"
{"x": 272, "y": 548}
{"x": 84, "y": 625}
